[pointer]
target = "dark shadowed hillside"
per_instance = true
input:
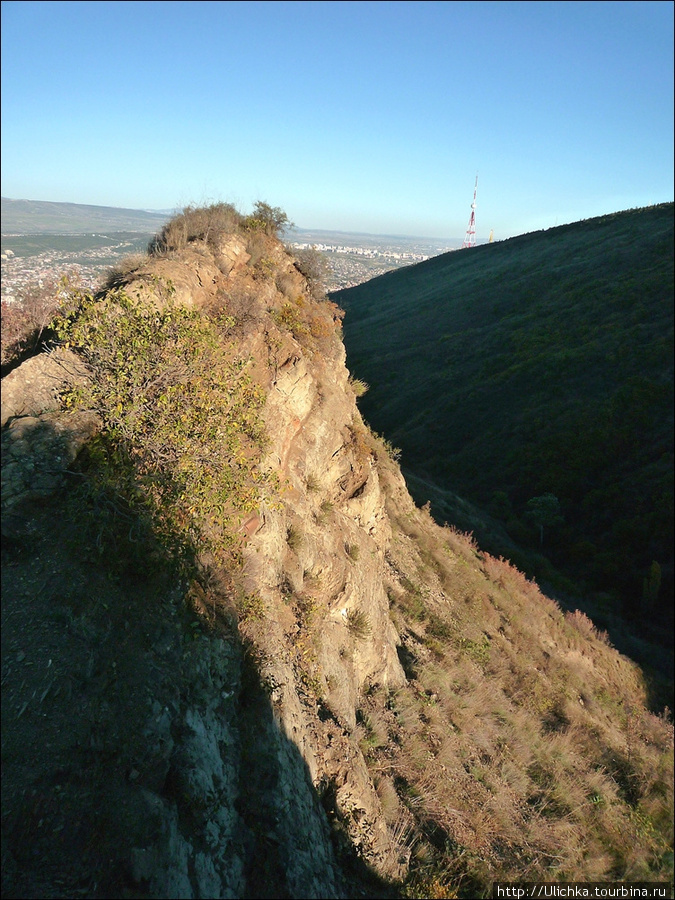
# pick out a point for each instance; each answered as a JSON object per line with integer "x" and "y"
{"x": 539, "y": 366}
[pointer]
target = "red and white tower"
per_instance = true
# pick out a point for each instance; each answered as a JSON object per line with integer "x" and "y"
{"x": 470, "y": 239}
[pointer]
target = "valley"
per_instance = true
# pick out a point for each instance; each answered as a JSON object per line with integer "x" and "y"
{"x": 540, "y": 366}
{"x": 43, "y": 240}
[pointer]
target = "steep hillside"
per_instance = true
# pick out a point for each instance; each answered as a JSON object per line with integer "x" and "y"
{"x": 238, "y": 661}
{"x": 539, "y": 366}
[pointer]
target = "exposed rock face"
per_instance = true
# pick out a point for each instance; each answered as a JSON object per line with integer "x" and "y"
{"x": 339, "y": 563}
{"x": 35, "y": 387}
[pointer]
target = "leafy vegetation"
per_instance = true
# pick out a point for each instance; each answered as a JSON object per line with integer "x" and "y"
{"x": 539, "y": 366}
{"x": 182, "y": 428}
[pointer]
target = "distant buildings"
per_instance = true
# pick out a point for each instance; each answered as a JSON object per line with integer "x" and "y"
{"x": 349, "y": 264}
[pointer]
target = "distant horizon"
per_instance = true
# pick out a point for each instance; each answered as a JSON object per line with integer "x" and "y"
{"x": 324, "y": 230}
{"x": 175, "y": 211}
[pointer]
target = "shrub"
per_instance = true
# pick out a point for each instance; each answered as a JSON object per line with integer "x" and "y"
{"x": 358, "y": 624}
{"x": 294, "y": 537}
{"x": 203, "y": 223}
{"x": 289, "y": 317}
{"x": 324, "y": 512}
{"x": 251, "y": 607}
{"x": 581, "y": 623}
{"x": 270, "y": 219}
{"x": 183, "y": 430}
{"x": 359, "y": 387}
{"x": 25, "y": 321}
{"x": 311, "y": 263}
{"x": 312, "y": 483}
{"x": 353, "y": 551}
{"x": 120, "y": 273}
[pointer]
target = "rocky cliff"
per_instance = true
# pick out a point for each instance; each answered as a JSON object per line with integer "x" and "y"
{"x": 239, "y": 661}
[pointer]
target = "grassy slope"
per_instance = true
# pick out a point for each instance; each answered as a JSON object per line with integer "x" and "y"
{"x": 540, "y": 364}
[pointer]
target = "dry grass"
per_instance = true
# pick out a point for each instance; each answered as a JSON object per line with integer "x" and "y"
{"x": 203, "y": 223}
{"x": 522, "y": 737}
{"x": 25, "y": 321}
{"x": 121, "y": 273}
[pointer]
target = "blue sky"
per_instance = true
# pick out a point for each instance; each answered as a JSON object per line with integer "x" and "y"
{"x": 357, "y": 116}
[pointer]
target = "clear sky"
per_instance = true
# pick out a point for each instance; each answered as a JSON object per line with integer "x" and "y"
{"x": 355, "y": 116}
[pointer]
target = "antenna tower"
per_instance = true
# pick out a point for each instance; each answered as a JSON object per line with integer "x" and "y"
{"x": 470, "y": 239}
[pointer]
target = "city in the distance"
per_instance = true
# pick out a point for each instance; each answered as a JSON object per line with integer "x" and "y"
{"x": 43, "y": 240}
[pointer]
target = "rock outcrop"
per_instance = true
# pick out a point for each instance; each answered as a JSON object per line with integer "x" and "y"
{"x": 230, "y": 775}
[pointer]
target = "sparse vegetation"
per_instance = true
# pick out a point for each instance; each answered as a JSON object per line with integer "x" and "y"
{"x": 203, "y": 223}
{"x": 353, "y": 551}
{"x": 120, "y": 273}
{"x": 312, "y": 483}
{"x": 510, "y": 741}
{"x": 294, "y": 537}
{"x": 25, "y": 321}
{"x": 359, "y": 387}
{"x": 311, "y": 263}
{"x": 325, "y": 509}
{"x": 358, "y": 624}
{"x": 497, "y": 745}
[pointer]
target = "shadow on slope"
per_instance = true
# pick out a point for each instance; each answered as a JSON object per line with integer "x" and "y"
{"x": 141, "y": 753}
{"x": 655, "y": 660}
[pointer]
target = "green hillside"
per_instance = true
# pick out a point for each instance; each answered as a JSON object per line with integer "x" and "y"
{"x": 539, "y": 365}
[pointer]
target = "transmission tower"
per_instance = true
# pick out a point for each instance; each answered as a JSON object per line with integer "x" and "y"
{"x": 470, "y": 239}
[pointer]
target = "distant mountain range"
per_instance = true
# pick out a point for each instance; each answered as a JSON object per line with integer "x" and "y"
{"x": 43, "y": 217}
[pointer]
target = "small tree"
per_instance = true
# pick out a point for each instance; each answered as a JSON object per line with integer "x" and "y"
{"x": 271, "y": 219}
{"x": 651, "y": 586}
{"x": 25, "y": 320}
{"x": 544, "y": 512}
{"x": 313, "y": 264}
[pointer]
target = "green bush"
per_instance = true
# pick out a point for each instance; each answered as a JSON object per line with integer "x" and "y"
{"x": 270, "y": 219}
{"x": 182, "y": 427}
